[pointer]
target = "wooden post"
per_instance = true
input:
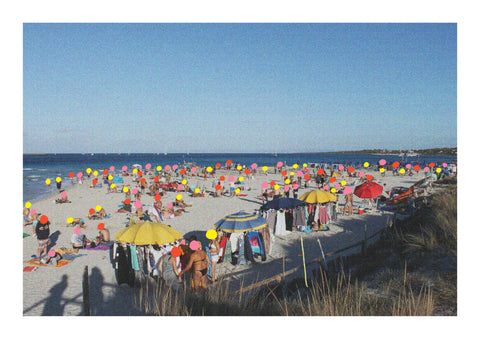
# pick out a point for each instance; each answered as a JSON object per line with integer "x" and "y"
{"x": 86, "y": 293}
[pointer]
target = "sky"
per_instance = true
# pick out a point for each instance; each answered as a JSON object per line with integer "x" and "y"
{"x": 245, "y": 87}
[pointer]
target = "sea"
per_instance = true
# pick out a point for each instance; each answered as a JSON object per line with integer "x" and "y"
{"x": 39, "y": 167}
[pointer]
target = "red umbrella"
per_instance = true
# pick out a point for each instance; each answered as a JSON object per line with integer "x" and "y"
{"x": 368, "y": 190}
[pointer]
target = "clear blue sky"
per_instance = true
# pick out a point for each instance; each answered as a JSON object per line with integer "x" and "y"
{"x": 238, "y": 87}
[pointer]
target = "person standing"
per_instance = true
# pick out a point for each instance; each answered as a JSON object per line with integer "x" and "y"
{"x": 214, "y": 250}
{"x": 200, "y": 262}
{"x": 42, "y": 232}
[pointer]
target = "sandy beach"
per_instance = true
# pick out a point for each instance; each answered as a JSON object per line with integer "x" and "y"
{"x": 58, "y": 290}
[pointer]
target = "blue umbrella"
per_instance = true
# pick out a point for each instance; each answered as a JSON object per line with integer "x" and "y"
{"x": 282, "y": 203}
{"x": 241, "y": 222}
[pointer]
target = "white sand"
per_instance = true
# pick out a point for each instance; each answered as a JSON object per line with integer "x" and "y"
{"x": 58, "y": 291}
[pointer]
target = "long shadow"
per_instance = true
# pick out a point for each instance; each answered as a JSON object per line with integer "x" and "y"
{"x": 96, "y": 282}
{"x": 54, "y": 238}
{"x": 250, "y": 200}
{"x": 53, "y": 304}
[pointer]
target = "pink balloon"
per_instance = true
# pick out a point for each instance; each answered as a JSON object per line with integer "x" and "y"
{"x": 382, "y": 162}
{"x": 64, "y": 195}
{"x": 138, "y": 204}
{"x": 148, "y": 166}
{"x": 174, "y": 167}
{"x": 337, "y": 186}
{"x": 408, "y": 166}
{"x": 231, "y": 178}
{"x": 124, "y": 168}
{"x": 264, "y": 184}
{"x": 279, "y": 164}
{"x": 51, "y": 253}
{"x": 295, "y": 186}
{"x": 112, "y": 168}
{"x": 426, "y": 169}
{"x": 33, "y": 211}
{"x": 361, "y": 174}
{"x": 299, "y": 173}
{"x": 286, "y": 188}
{"x": 180, "y": 187}
{"x": 79, "y": 174}
{"x": 167, "y": 168}
{"x": 134, "y": 191}
{"x": 326, "y": 187}
{"x": 77, "y": 230}
{"x": 254, "y": 165}
{"x": 340, "y": 168}
{"x": 194, "y": 169}
{"x": 170, "y": 205}
{"x": 347, "y": 190}
{"x": 444, "y": 165}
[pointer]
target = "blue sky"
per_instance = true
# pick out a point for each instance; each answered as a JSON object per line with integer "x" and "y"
{"x": 238, "y": 87}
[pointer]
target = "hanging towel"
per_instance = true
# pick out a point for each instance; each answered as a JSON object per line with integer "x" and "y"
{"x": 323, "y": 215}
{"x": 280, "y": 226}
{"x": 134, "y": 257}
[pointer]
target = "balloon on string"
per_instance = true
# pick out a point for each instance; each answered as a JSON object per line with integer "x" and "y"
{"x": 71, "y": 174}
{"x": 211, "y": 234}
{"x": 69, "y": 220}
{"x": 382, "y": 162}
{"x": 264, "y": 185}
{"x": 28, "y": 204}
{"x": 176, "y": 252}
{"x": 361, "y": 174}
{"x": 138, "y": 204}
{"x": 48, "y": 181}
{"x": 254, "y": 165}
{"x": 124, "y": 168}
{"x": 231, "y": 178}
{"x": 100, "y": 226}
{"x": 347, "y": 190}
{"x": 58, "y": 179}
{"x": 222, "y": 178}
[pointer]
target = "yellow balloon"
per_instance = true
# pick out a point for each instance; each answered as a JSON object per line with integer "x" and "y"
{"x": 276, "y": 187}
{"x": 287, "y": 181}
{"x": 70, "y": 220}
{"x": 95, "y": 173}
{"x": 88, "y": 170}
{"x": 48, "y": 181}
{"x": 366, "y": 164}
{"x": 211, "y": 234}
{"x": 184, "y": 182}
{"x": 135, "y": 171}
{"x": 58, "y": 179}
{"x": 333, "y": 190}
{"x": 382, "y": 170}
{"x": 402, "y": 170}
{"x": 264, "y": 168}
{"x": 98, "y": 208}
{"x": 113, "y": 186}
{"x": 28, "y": 204}
{"x": 239, "y": 167}
{"x": 197, "y": 190}
{"x": 209, "y": 169}
{"x": 438, "y": 170}
{"x": 240, "y": 178}
{"x": 125, "y": 189}
{"x": 343, "y": 182}
{"x": 110, "y": 177}
{"x": 305, "y": 165}
{"x": 295, "y": 165}
{"x": 237, "y": 190}
{"x": 179, "y": 197}
{"x": 159, "y": 168}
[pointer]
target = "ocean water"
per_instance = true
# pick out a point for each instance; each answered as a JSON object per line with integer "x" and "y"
{"x": 39, "y": 167}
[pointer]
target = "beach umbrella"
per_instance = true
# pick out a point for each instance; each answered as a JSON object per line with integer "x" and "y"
{"x": 148, "y": 233}
{"x": 241, "y": 222}
{"x": 368, "y": 190}
{"x": 282, "y": 203}
{"x": 318, "y": 197}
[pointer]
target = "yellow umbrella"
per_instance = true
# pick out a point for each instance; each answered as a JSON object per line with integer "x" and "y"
{"x": 318, "y": 196}
{"x": 148, "y": 233}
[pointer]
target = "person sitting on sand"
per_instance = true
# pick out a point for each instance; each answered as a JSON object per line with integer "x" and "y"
{"x": 27, "y": 218}
{"x": 199, "y": 262}
{"x": 78, "y": 239}
{"x": 63, "y": 199}
{"x": 181, "y": 203}
{"x": 77, "y": 222}
{"x": 103, "y": 236}
{"x": 126, "y": 208}
{"x": 170, "y": 213}
{"x": 98, "y": 215}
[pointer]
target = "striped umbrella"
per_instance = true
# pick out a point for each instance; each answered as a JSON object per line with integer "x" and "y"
{"x": 241, "y": 222}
